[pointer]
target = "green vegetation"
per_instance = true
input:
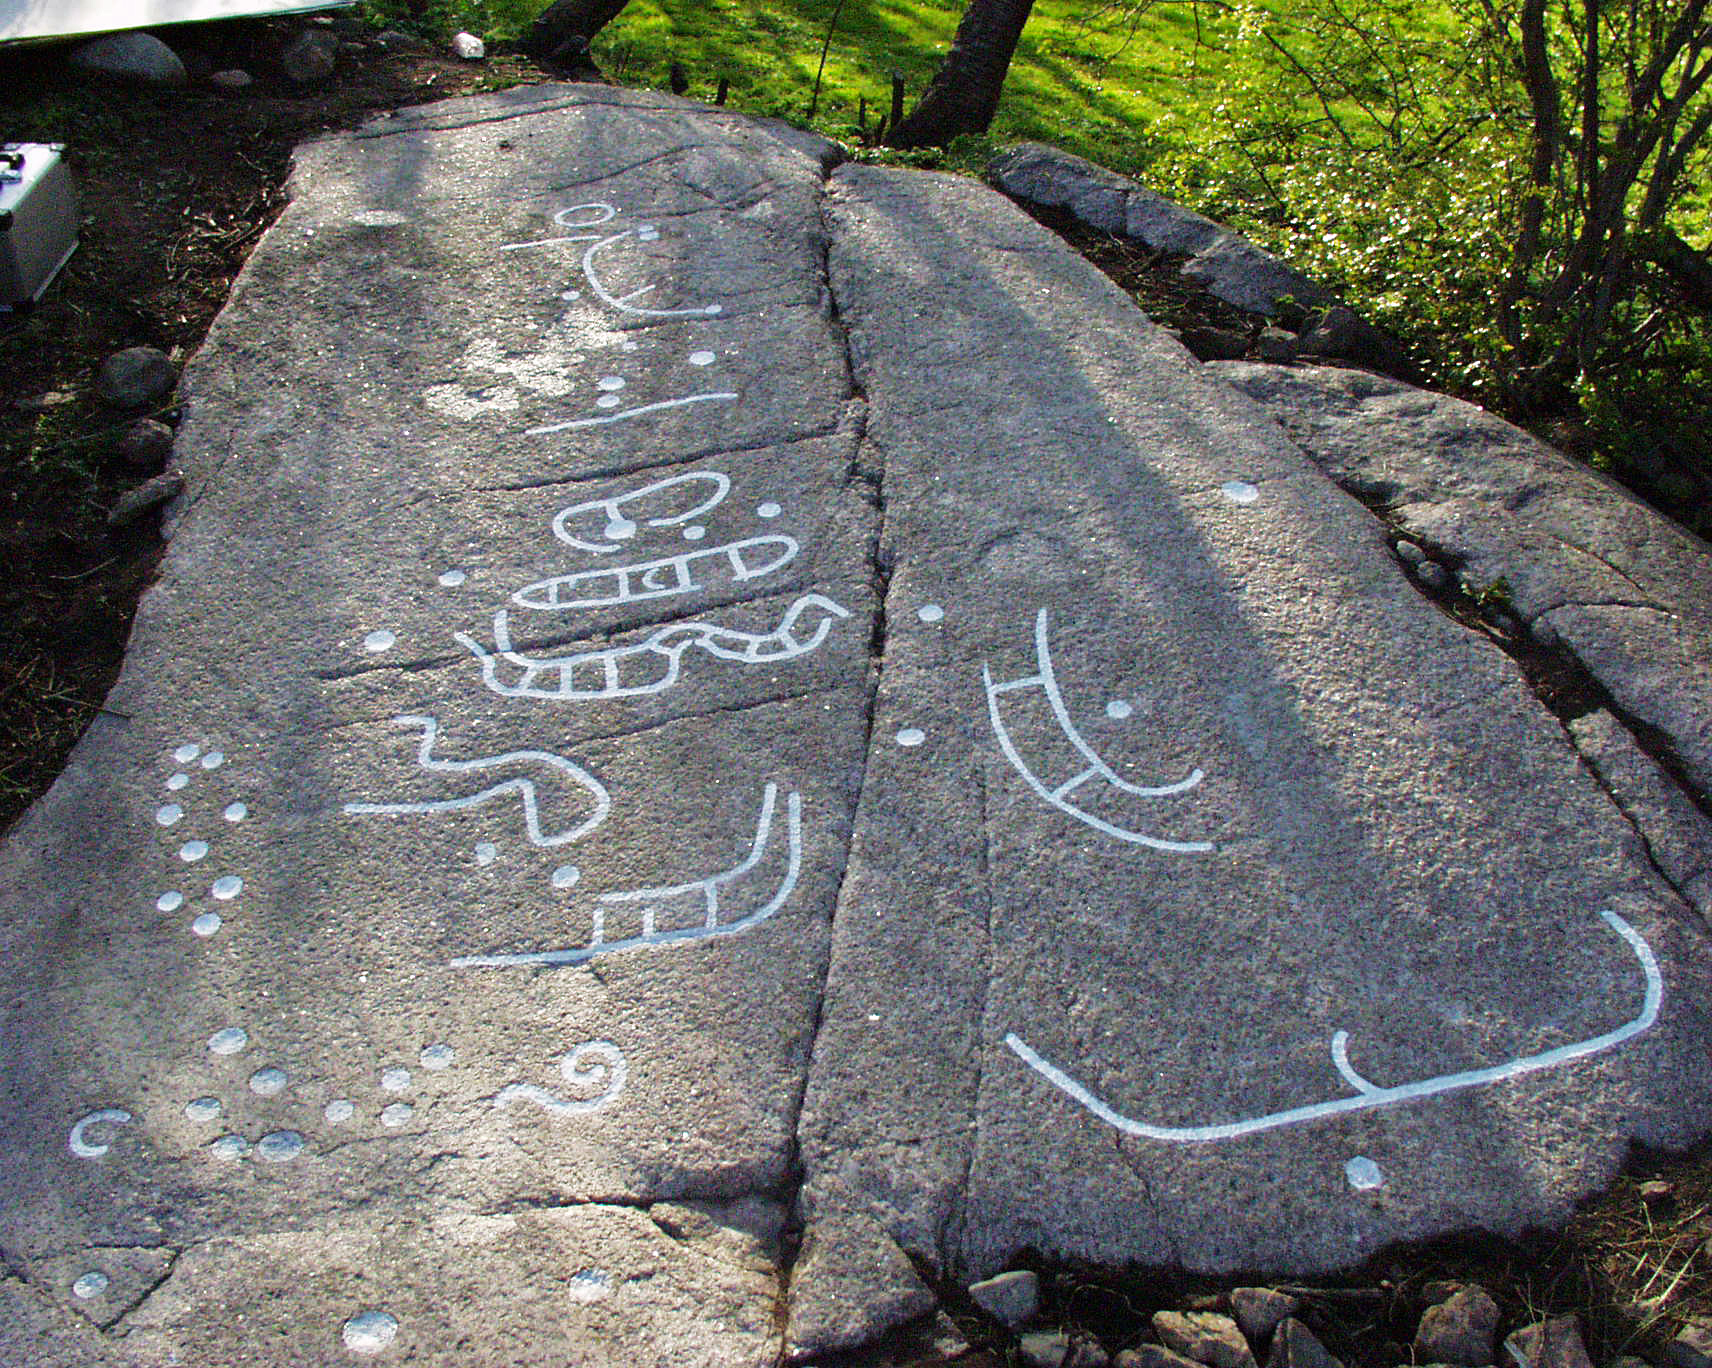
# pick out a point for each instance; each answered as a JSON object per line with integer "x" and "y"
{"x": 1386, "y": 148}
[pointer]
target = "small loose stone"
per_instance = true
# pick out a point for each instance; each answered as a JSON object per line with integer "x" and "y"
{"x": 1012, "y": 1297}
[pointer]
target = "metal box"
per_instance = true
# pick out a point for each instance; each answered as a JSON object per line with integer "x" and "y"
{"x": 38, "y": 220}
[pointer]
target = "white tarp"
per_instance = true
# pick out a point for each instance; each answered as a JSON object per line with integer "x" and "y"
{"x": 69, "y": 18}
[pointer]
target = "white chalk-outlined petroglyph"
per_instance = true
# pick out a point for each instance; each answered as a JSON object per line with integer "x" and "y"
{"x": 695, "y": 906}
{"x": 545, "y": 763}
{"x": 597, "y": 1064}
{"x": 1058, "y": 795}
{"x": 84, "y": 1148}
{"x": 651, "y": 666}
{"x": 1367, "y": 1094}
{"x": 619, "y": 528}
{"x": 610, "y": 586}
{"x": 710, "y": 397}
{"x": 597, "y": 215}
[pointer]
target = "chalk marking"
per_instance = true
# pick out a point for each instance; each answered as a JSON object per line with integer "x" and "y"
{"x": 615, "y": 519}
{"x": 721, "y": 396}
{"x": 604, "y": 214}
{"x": 706, "y": 890}
{"x": 595, "y": 1063}
{"x": 656, "y": 579}
{"x": 82, "y": 1148}
{"x": 1046, "y": 681}
{"x": 667, "y": 645}
{"x": 523, "y": 788}
{"x": 1370, "y": 1096}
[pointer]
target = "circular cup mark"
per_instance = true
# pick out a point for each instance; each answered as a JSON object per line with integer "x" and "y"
{"x": 192, "y": 851}
{"x": 170, "y": 901}
{"x": 930, "y": 612}
{"x": 566, "y": 875}
{"x": 368, "y": 1332}
{"x": 1118, "y": 709}
{"x": 230, "y": 1147}
{"x": 768, "y": 510}
{"x": 1363, "y": 1174}
{"x": 398, "y": 1114}
{"x": 911, "y": 736}
{"x": 201, "y": 1109}
{"x": 91, "y": 1284}
{"x": 338, "y": 1111}
{"x": 619, "y": 529}
{"x": 187, "y": 752}
{"x": 376, "y": 642}
{"x": 395, "y": 1080}
{"x": 213, "y": 760}
{"x": 178, "y": 781}
{"x": 694, "y": 532}
{"x": 701, "y": 358}
{"x": 268, "y": 1082}
{"x": 227, "y": 888}
{"x": 169, "y": 814}
{"x": 437, "y": 1057}
{"x": 451, "y": 579}
{"x": 228, "y": 1041}
{"x": 610, "y": 383}
{"x": 278, "y": 1146}
{"x": 207, "y": 924}
{"x": 486, "y": 852}
{"x": 1239, "y": 491}
{"x": 608, "y": 401}
{"x": 236, "y": 812}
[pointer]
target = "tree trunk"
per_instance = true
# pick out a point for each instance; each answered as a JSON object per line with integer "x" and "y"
{"x": 570, "y": 22}
{"x": 964, "y": 95}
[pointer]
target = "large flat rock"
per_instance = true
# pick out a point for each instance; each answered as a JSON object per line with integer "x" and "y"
{"x": 714, "y": 732}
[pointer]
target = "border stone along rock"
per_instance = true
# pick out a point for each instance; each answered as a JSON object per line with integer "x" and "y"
{"x": 692, "y": 691}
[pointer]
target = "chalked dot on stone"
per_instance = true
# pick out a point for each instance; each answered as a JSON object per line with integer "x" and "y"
{"x": 338, "y": 1111}
{"x": 486, "y": 852}
{"x": 437, "y": 1057}
{"x": 170, "y": 902}
{"x": 178, "y": 781}
{"x": 1239, "y": 491}
{"x": 930, "y": 612}
{"x": 192, "y": 851}
{"x": 227, "y": 888}
{"x": 566, "y": 875}
{"x": 91, "y": 1284}
{"x": 608, "y": 401}
{"x": 768, "y": 510}
{"x": 236, "y": 812}
{"x": 714, "y": 310}
{"x": 369, "y": 1332}
{"x": 395, "y": 1080}
{"x": 590, "y": 1285}
{"x": 619, "y": 529}
{"x": 376, "y": 642}
{"x": 570, "y": 296}
{"x": 451, "y": 579}
{"x": 168, "y": 814}
{"x": 230, "y": 1147}
{"x": 1363, "y": 1174}
{"x": 694, "y": 532}
{"x": 611, "y": 383}
{"x": 397, "y": 1114}
{"x": 628, "y": 345}
{"x": 213, "y": 760}
{"x": 911, "y": 736}
{"x": 228, "y": 1041}
{"x": 207, "y": 924}
{"x": 278, "y": 1146}
{"x": 202, "y": 1108}
{"x": 1118, "y": 709}
{"x": 187, "y": 752}
{"x": 701, "y": 358}
{"x": 647, "y": 232}
{"x": 268, "y": 1082}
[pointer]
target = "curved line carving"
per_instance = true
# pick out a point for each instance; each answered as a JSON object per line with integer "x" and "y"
{"x": 610, "y": 586}
{"x": 82, "y": 1148}
{"x": 1046, "y": 681}
{"x": 523, "y": 788}
{"x": 594, "y": 1063}
{"x": 712, "y": 397}
{"x": 705, "y": 891}
{"x": 1368, "y": 1095}
{"x": 620, "y": 528}
{"x": 661, "y": 654}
